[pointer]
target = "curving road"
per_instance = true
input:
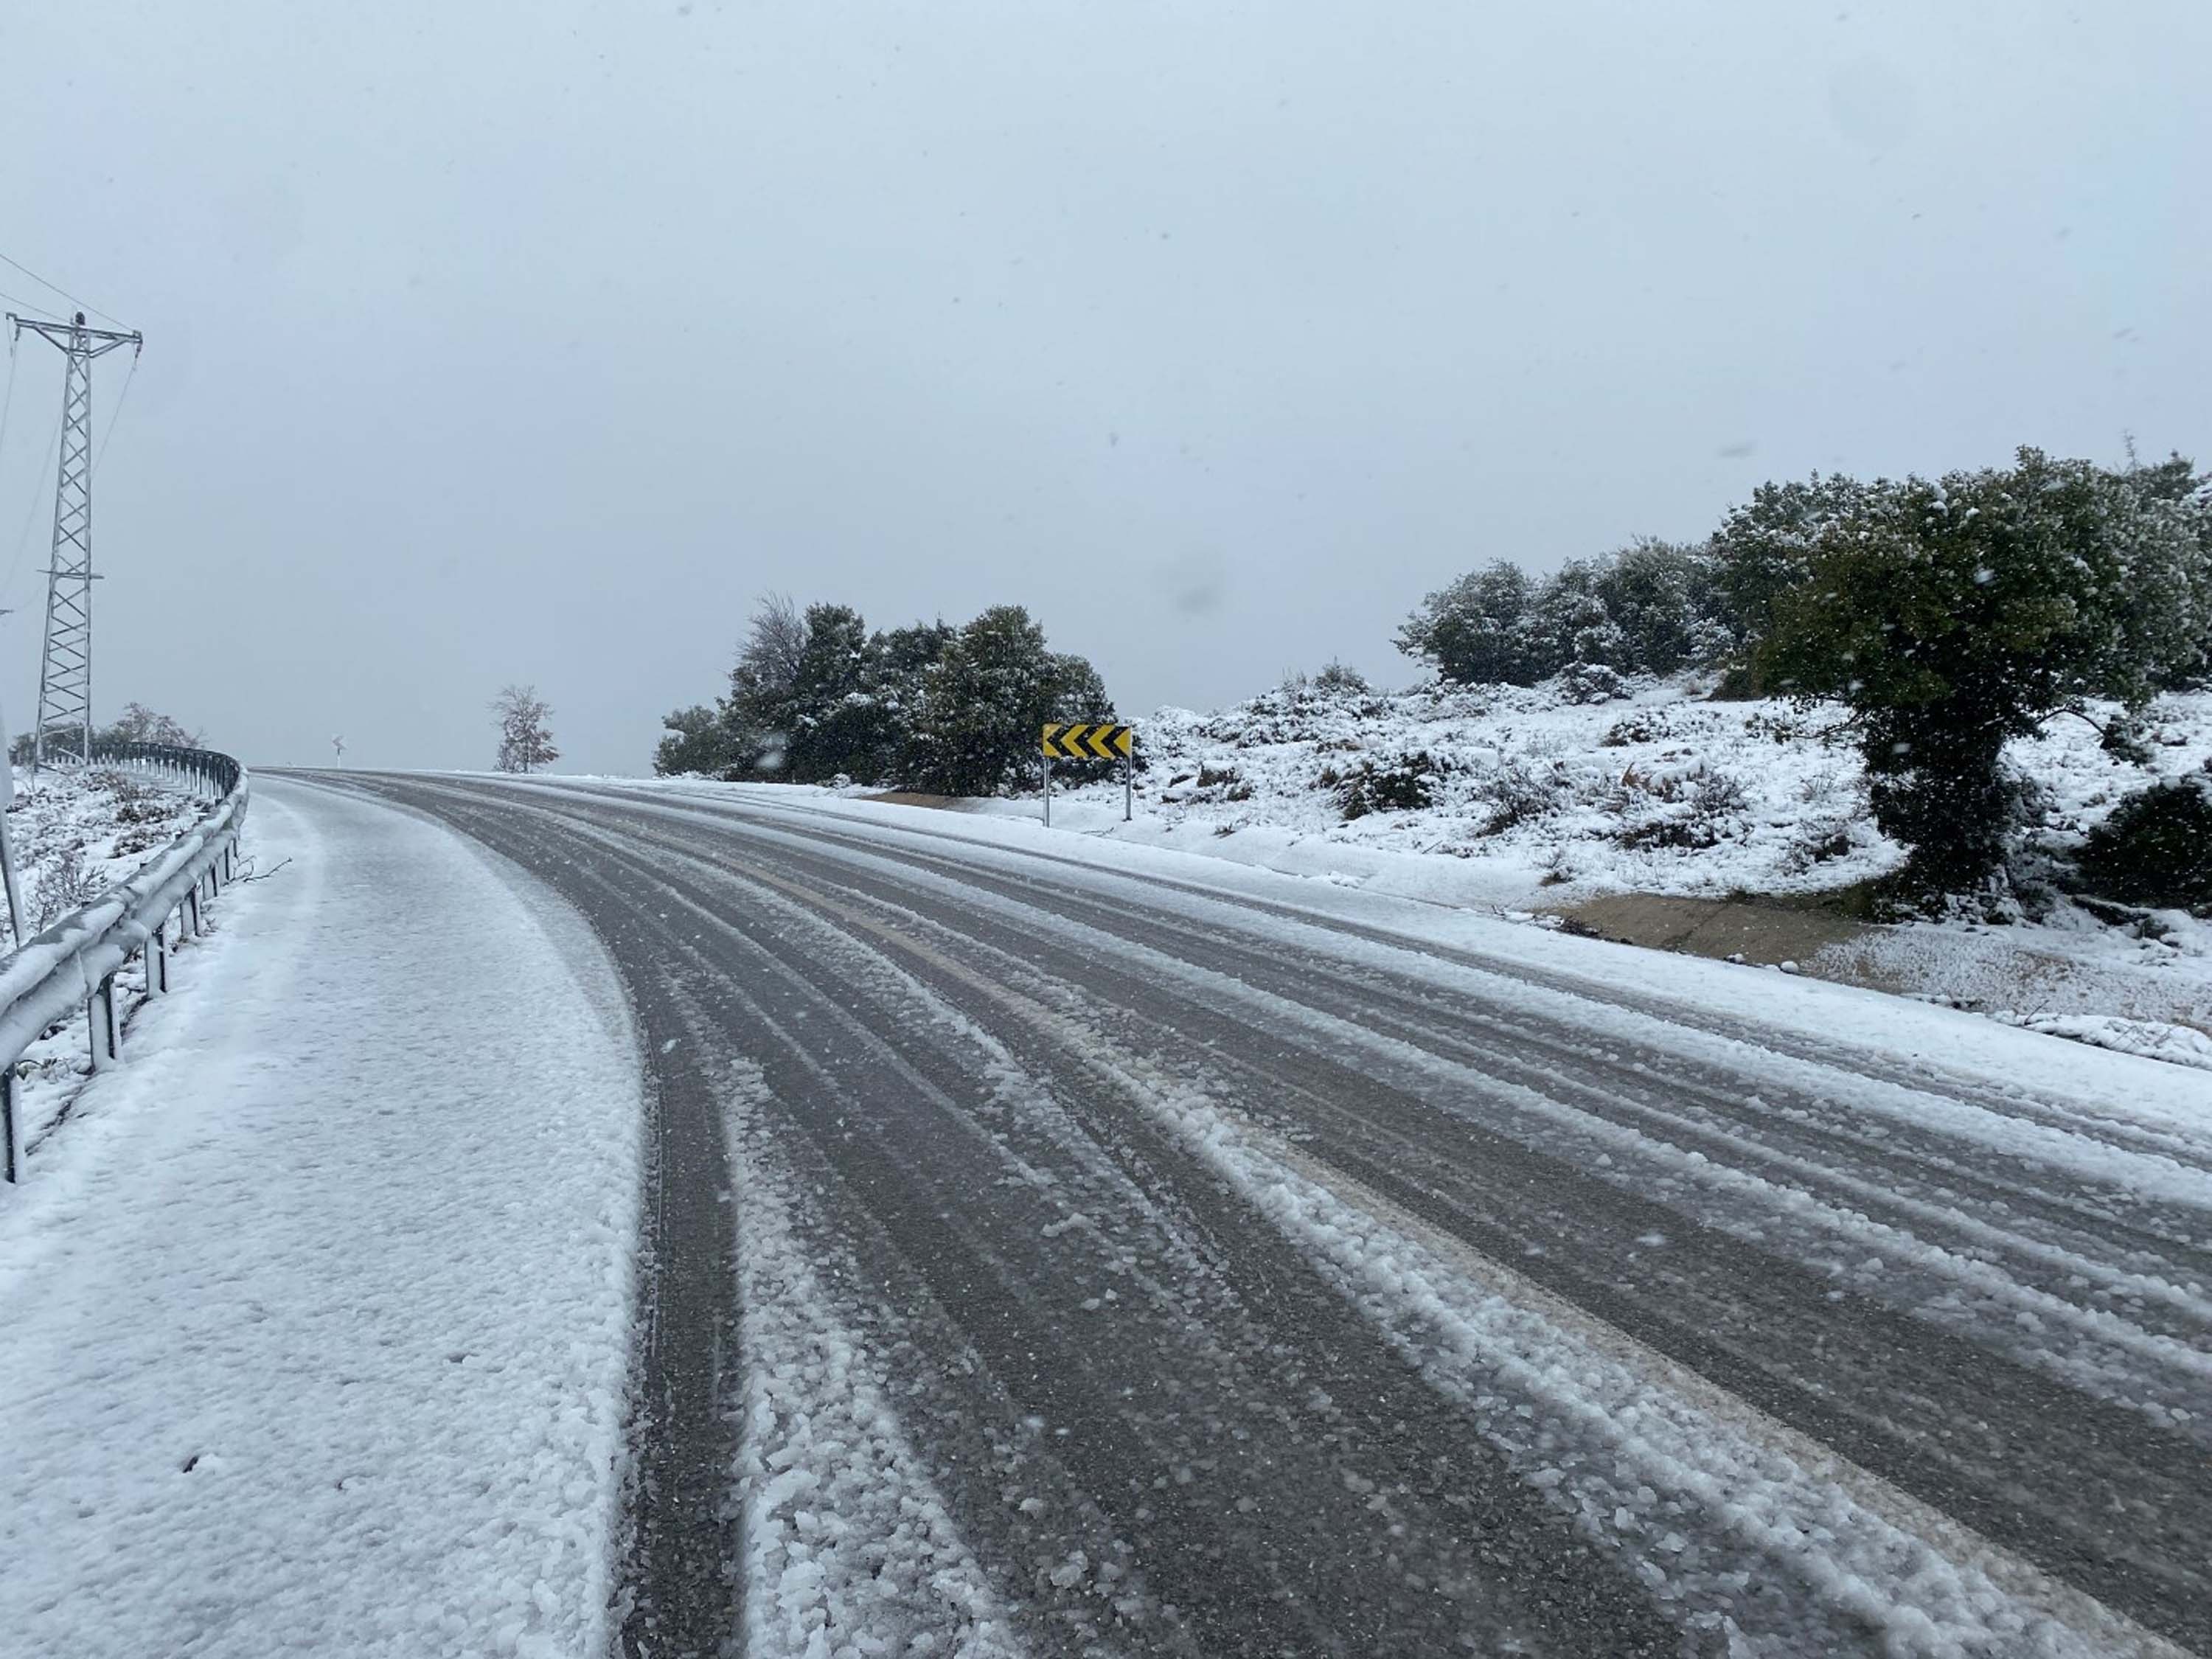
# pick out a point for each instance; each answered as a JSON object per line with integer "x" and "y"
{"x": 1053, "y": 1260}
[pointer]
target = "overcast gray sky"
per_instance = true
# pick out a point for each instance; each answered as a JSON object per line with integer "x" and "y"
{"x": 530, "y": 341}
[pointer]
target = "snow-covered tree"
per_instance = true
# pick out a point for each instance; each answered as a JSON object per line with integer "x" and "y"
{"x": 526, "y": 738}
{"x": 985, "y": 702}
{"x": 696, "y": 742}
{"x": 1950, "y": 615}
{"x": 1764, "y": 547}
{"x": 139, "y": 724}
{"x": 1650, "y": 608}
{"x": 1475, "y": 631}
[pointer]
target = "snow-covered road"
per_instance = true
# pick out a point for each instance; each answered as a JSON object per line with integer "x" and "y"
{"x": 1062, "y": 1251}
{"x": 314, "y": 1317}
{"x": 1020, "y": 1245}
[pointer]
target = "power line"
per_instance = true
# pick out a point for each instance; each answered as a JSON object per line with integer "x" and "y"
{"x": 114, "y": 415}
{"x": 39, "y": 306}
{"x": 30, "y": 512}
{"x": 8, "y": 402}
{"x": 81, "y": 305}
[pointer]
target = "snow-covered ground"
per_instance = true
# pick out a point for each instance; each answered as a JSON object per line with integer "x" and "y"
{"x": 76, "y": 834}
{"x": 931, "y": 1024}
{"x": 1519, "y": 802}
{"x": 317, "y": 1308}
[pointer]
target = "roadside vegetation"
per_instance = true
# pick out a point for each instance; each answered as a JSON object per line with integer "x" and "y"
{"x": 816, "y": 697}
{"x": 1941, "y": 619}
{"x": 1935, "y": 633}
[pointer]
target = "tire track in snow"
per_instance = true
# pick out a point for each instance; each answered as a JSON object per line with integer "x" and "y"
{"x": 848, "y": 1546}
{"x": 1366, "y": 1523}
{"x": 1087, "y": 996}
{"x": 1049, "y": 873}
{"x": 2011, "y": 1307}
{"x": 1945, "y": 1591}
{"x": 1619, "y": 1435}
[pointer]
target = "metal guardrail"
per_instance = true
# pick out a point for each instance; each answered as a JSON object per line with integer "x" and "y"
{"x": 75, "y": 961}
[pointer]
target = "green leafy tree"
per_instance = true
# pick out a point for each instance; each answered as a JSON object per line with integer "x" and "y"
{"x": 836, "y": 724}
{"x": 1662, "y": 601}
{"x": 1951, "y": 616}
{"x": 986, "y": 699}
{"x": 696, "y": 742}
{"x": 1570, "y": 621}
{"x": 1475, "y": 631}
{"x": 1765, "y": 548}
{"x": 1652, "y": 608}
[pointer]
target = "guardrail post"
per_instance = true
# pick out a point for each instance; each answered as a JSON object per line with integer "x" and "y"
{"x": 7, "y": 1120}
{"x": 157, "y": 960}
{"x": 100, "y": 1022}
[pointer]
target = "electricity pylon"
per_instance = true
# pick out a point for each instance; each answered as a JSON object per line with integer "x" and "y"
{"x": 65, "y": 666}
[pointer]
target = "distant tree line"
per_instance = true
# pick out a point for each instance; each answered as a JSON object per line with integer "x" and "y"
{"x": 1946, "y": 616}
{"x": 815, "y": 696}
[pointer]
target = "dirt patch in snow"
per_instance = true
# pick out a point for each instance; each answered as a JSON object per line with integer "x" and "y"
{"x": 1726, "y": 929}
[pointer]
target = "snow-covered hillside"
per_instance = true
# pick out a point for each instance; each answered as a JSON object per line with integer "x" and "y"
{"x": 1531, "y": 802}
{"x": 1657, "y": 791}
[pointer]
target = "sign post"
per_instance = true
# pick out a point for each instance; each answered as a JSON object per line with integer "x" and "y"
{"x": 1092, "y": 740}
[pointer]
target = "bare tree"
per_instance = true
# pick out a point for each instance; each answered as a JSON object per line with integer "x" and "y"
{"x": 525, "y": 741}
{"x": 775, "y": 642}
{"x": 139, "y": 724}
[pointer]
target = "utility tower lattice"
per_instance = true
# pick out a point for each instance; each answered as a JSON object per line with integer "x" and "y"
{"x": 65, "y": 666}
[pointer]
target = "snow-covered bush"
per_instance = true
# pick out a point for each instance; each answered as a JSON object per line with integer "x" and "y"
{"x": 1401, "y": 783}
{"x": 1686, "y": 803}
{"x": 63, "y": 885}
{"x": 1591, "y": 682}
{"x": 1638, "y": 726}
{"x": 1337, "y": 679}
{"x": 2155, "y": 848}
{"x": 1520, "y": 790}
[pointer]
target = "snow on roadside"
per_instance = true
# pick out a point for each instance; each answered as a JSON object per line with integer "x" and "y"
{"x": 77, "y": 833}
{"x": 1529, "y": 803}
{"x": 848, "y": 1547}
{"x": 2183, "y": 1045}
{"x": 319, "y": 1317}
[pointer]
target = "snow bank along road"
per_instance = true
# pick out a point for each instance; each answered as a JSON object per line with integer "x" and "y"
{"x": 1052, "y": 1260}
{"x": 314, "y": 1314}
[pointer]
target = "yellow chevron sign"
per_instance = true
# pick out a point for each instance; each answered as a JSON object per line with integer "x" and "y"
{"x": 1090, "y": 742}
